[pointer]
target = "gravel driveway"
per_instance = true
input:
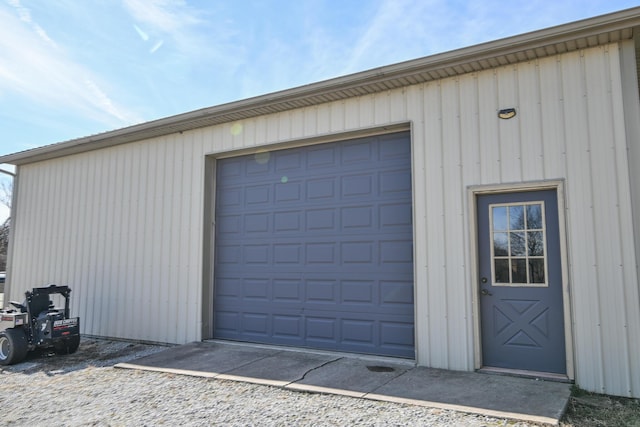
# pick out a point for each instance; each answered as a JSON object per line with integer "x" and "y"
{"x": 84, "y": 389}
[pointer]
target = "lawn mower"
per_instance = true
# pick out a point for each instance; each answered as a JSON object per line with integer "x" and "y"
{"x": 36, "y": 323}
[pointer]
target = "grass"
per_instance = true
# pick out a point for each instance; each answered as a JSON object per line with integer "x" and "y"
{"x": 597, "y": 410}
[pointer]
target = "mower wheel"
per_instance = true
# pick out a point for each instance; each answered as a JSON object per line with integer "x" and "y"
{"x": 13, "y": 346}
{"x": 68, "y": 346}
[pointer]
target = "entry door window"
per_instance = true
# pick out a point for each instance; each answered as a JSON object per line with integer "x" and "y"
{"x": 518, "y": 252}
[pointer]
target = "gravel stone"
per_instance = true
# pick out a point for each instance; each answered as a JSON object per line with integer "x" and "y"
{"x": 84, "y": 389}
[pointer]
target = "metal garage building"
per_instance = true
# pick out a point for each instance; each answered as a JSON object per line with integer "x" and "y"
{"x": 473, "y": 209}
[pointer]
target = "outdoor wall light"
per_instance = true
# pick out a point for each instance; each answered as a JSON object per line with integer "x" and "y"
{"x": 507, "y": 113}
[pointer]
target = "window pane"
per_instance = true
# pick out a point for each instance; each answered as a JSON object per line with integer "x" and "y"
{"x": 535, "y": 243}
{"x": 536, "y": 270}
{"x": 502, "y": 271}
{"x": 516, "y": 218}
{"x": 518, "y": 247}
{"x": 518, "y": 271}
{"x": 499, "y": 218}
{"x": 534, "y": 216}
{"x": 518, "y": 237}
{"x": 500, "y": 244}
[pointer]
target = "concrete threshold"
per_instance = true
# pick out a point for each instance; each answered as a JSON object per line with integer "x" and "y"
{"x": 376, "y": 378}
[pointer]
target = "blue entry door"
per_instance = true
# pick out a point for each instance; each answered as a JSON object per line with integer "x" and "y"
{"x": 521, "y": 306}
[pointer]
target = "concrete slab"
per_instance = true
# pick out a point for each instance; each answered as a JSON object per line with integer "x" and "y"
{"x": 365, "y": 377}
{"x": 354, "y": 375}
{"x": 283, "y": 366}
{"x": 206, "y": 357}
{"x": 505, "y": 394}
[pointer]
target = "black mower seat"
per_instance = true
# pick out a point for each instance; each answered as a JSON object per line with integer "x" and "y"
{"x": 38, "y": 304}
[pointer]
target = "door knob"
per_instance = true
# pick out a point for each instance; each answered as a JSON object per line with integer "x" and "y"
{"x": 485, "y": 292}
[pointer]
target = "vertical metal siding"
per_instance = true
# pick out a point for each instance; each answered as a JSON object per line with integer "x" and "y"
{"x": 415, "y": 103}
{"x": 123, "y": 225}
{"x": 610, "y": 265}
{"x": 631, "y": 106}
{"x": 508, "y": 136}
{"x": 551, "y": 125}
{"x": 580, "y": 222}
{"x": 630, "y": 375}
{"x": 432, "y": 189}
{"x": 530, "y": 136}
{"x": 112, "y": 225}
{"x": 470, "y": 172}
{"x": 453, "y": 207}
{"x": 488, "y": 129}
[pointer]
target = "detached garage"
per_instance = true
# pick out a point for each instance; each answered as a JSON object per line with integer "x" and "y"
{"x": 473, "y": 210}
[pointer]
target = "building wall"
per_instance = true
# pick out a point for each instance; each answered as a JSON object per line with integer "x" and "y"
{"x": 123, "y": 226}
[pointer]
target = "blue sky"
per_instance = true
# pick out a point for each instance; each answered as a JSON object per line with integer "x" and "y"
{"x": 73, "y": 68}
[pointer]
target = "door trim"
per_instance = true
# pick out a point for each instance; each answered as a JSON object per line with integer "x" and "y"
{"x": 472, "y": 193}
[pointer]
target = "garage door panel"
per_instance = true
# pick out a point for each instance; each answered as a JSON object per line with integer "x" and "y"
{"x": 355, "y": 253}
{"x": 288, "y": 327}
{"x": 353, "y": 218}
{"x": 396, "y": 334}
{"x": 321, "y": 330}
{"x": 288, "y": 221}
{"x": 314, "y": 247}
{"x": 287, "y": 253}
{"x": 323, "y": 188}
{"x": 322, "y": 157}
{"x": 256, "y": 323}
{"x": 288, "y": 291}
{"x": 393, "y": 216}
{"x": 227, "y": 322}
{"x": 259, "y": 167}
{"x": 231, "y": 168}
{"x": 387, "y": 295}
{"x": 229, "y": 224}
{"x": 394, "y": 183}
{"x": 338, "y": 331}
{"x": 257, "y": 195}
{"x": 231, "y": 197}
{"x": 393, "y": 147}
{"x": 396, "y": 292}
{"x": 395, "y": 254}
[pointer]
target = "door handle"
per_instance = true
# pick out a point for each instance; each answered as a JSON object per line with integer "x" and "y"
{"x": 485, "y": 292}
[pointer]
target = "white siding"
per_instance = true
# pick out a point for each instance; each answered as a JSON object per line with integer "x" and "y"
{"x": 123, "y": 226}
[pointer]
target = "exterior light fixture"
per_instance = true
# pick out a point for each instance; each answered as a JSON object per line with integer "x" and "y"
{"x": 507, "y": 113}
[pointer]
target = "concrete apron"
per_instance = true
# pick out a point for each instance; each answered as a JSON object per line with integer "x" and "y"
{"x": 376, "y": 378}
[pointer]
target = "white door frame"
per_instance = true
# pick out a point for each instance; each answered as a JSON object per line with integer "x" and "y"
{"x": 472, "y": 193}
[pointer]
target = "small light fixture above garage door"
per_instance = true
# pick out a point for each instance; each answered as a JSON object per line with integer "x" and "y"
{"x": 507, "y": 113}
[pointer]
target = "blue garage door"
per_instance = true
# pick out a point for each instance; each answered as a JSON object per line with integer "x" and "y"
{"x": 314, "y": 247}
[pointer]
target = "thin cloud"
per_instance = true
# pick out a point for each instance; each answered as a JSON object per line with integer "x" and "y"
{"x": 192, "y": 35}
{"x": 169, "y": 17}
{"x": 97, "y": 97}
{"x": 156, "y": 46}
{"x": 144, "y": 36}
{"x": 31, "y": 66}
{"x": 400, "y": 30}
{"x": 25, "y": 16}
